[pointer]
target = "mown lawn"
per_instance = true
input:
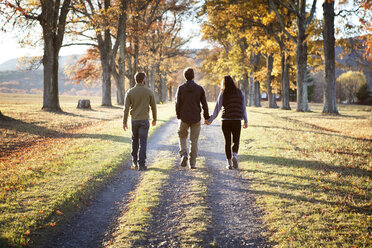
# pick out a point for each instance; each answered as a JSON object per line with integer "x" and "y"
{"x": 55, "y": 161}
{"x": 312, "y": 175}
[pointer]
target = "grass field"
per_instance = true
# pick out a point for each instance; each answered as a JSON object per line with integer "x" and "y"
{"x": 312, "y": 172}
{"x": 312, "y": 175}
{"x": 51, "y": 162}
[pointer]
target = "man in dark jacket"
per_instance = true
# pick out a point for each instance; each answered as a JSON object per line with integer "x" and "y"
{"x": 189, "y": 96}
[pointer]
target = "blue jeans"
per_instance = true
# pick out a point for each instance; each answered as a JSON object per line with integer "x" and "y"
{"x": 140, "y": 130}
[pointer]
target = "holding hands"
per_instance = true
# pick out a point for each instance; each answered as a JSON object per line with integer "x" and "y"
{"x": 206, "y": 122}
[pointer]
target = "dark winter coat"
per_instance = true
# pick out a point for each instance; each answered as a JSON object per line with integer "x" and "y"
{"x": 189, "y": 96}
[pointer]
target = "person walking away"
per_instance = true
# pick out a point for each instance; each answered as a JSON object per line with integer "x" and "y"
{"x": 189, "y": 96}
{"x": 231, "y": 101}
{"x": 137, "y": 102}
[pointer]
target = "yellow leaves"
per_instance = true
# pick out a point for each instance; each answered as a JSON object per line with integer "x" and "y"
{"x": 27, "y": 232}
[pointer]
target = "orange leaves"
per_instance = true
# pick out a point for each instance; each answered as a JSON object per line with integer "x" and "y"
{"x": 52, "y": 224}
{"x": 59, "y": 212}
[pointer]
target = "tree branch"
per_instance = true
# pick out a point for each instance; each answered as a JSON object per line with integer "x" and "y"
{"x": 311, "y": 16}
{"x": 80, "y": 44}
{"x": 281, "y": 21}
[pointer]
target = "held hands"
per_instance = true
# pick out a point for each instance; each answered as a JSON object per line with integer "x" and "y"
{"x": 245, "y": 125}
{"x": 206, "y": 122}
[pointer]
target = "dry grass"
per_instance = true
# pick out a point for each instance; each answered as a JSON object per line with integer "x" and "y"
{"x": 55, "y": 161}
{"x": 312, "y": 175}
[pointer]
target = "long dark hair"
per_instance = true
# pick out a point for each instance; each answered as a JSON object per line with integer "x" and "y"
{"x": 228, "y": 86}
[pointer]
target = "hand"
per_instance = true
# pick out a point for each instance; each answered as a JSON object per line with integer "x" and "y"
{"x": 206, "y": 122}
{"x": 125, "y": 127}
{"x": 153, "y": 123}
{"x": 245, "y": 125}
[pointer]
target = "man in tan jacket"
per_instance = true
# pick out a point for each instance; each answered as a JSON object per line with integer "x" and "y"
{"x": 137, "y": 101}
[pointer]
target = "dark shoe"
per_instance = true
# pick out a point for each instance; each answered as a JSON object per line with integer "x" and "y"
{"x": 235, "y": 161}
{"x": 184, "y": 161}
{"x": 192, "y": 166}
{"x": 142, "y": 168}
{"x": 228, "y": 166}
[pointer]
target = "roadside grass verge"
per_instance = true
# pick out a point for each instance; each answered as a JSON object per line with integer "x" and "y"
{"x": 312, "y": 178}
{"x": 134, "y": 222}
{"x": 45, "y": 182}
{"x": 197, "y": 216}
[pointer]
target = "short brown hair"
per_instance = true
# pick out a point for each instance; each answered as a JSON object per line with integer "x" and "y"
{"x": 188, "y": 73}
{"x": 140, "y": 77}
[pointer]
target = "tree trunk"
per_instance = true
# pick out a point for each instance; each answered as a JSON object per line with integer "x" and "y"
{"x": 120, "y": 85}
{"x": 270, "y": 95}
{"x": 170, "y": 93}
{"x": 246, "y": 86}
{"x": 256, "y": 85}
{"x": 257, "y": 94}
{"x": 301, "y": 59}
{"x": 105, "y": 54}
{"x": 251, "y": 90}
{"x": 285, "y": 81}
{"x": 330, "y": 98}
{"x": 53, "y": 24}
{"x": 50, "y": 63}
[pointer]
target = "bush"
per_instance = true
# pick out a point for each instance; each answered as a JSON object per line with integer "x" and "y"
{"x": 363, "y": 93}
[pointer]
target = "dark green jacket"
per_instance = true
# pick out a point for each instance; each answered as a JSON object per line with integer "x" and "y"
{"x": 137, "y": 101}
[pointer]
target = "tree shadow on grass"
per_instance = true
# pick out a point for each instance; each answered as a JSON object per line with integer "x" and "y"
{"x": 44, "y": 132}
{"x": 314, "y": 132}
{"x": 314, "y": 165}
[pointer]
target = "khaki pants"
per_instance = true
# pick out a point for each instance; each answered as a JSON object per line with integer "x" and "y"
{"x": 183, "y": 129}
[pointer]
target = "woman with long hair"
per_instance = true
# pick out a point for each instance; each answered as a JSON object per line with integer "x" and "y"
{"x": 231, "y": 101}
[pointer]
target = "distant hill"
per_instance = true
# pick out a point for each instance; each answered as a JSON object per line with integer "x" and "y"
{"x": 14, "y": 80}
{"x": 12, "y": 64}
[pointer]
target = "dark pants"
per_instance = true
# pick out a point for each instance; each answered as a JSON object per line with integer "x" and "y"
{"x": 140, "y": 130}
{"x": 231, "y": 128}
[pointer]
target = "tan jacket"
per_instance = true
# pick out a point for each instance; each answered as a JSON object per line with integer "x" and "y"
{"x": 137, "y": 101}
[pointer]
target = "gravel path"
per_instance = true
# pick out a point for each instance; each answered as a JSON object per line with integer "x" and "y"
{"x": 90, "y": 226}
{"x": 235, "y": 220}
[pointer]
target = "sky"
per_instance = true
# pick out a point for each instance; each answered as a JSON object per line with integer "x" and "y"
{"x": 10, "y": 49}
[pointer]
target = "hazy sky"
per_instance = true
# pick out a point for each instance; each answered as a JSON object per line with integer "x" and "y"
{"x": 10, "y": 49}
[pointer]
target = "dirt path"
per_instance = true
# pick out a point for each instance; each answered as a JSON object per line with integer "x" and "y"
{"x": 235, "y": 220}
{"x": 90, "y": 226}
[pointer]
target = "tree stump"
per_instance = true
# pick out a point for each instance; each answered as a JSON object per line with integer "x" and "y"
{"x": 84, "y": 104}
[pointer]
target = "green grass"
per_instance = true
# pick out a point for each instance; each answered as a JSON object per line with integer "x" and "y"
{"x": 134, "y": 222}
{"x": 197, "y": 215}
{"x": 312, "y": 175}
{"x": 44, "y": 182}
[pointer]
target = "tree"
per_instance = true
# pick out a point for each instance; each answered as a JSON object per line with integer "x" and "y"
{"x": 51, "y": 15}
{"x": 363, "y": 93}
{"x": 329, "y": 92}
{"x": 351, "y": 82}
{"x": 303, "y": 19}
